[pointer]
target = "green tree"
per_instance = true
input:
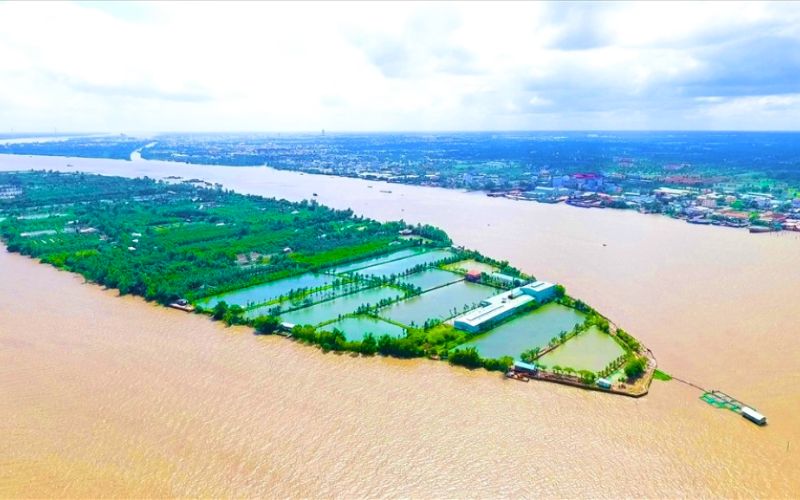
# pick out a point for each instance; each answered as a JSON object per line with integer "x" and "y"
{"x": 266, "y": 324}
{"x": 369, "y": 345}
{"x": 468, "y": 357}
{"x": 635, "y": 367}
{"x": 219, "y": 310}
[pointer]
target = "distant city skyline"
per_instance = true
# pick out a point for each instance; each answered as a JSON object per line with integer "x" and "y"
{"x": 384, "y": 67}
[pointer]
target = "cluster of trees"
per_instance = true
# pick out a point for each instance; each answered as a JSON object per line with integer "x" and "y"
{"x": 635, "y": 367}
{"x": 335, "y": 340}
{"x": 168, "y": 241}
{"x": 628, "y": 340}
{"x": 470, "y": 357}
{"x": 613, "y": 365}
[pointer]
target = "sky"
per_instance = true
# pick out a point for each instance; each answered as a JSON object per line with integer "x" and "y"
{"x": 398, "y": 66}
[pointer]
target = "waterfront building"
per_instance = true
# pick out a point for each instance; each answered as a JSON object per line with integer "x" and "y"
{"x": 501, "y": 306}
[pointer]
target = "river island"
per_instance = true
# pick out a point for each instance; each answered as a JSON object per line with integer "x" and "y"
{"x": 317, "y": 275}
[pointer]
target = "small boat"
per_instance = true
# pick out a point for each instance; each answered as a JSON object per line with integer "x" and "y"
{"x": 759, "y": 229}
{"x": 315, "y": 194}
{"x": 387, "y": 191}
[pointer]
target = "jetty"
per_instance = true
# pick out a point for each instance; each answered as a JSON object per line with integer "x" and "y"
{"x": 719, "y": 399}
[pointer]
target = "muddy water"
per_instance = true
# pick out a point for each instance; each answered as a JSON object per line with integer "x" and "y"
{"x": 108, "y": 396}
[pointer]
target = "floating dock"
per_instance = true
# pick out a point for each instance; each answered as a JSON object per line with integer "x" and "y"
{"x": 719, "y": 399}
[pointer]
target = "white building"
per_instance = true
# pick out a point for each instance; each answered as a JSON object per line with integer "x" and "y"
{"x": 501, "y": 306}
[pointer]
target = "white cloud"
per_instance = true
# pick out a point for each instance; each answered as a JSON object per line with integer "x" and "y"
{"x": 391, "y": 66}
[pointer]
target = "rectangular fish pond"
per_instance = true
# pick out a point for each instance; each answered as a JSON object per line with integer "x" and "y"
{"x": 268, "y": 291}
{"x": 331, "y": 309}
{"x": 431, "y": 278}
{"x": 591, "y": 350}
{"x": 355, "y": 327}
{"x": 534, "y": 329}
{"x": 438, "y": 304}
{"x": 361, "y": 264}
{"x": 402, "y": 265}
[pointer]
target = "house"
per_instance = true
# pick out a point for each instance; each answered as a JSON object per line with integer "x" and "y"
{"x": 473, "y": 275}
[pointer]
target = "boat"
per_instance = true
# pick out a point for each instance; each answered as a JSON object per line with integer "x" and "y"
{"x": 699, "y": 220}
{"x": 760, "y": 229}
{"x": 753, "y": 416}
{"x": 314, "y": 194}
{"x": 387, "y": 191}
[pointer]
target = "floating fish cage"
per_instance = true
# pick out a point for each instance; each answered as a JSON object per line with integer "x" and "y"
{"x": 719, "y": 399}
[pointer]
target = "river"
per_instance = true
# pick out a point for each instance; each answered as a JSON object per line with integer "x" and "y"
{"x": 116, "y": 397}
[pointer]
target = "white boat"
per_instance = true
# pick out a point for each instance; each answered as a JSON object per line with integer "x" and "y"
{"x": 753, "y": 416}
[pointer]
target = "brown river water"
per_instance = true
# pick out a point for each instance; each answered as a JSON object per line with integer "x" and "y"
{"x": 107, "y": 396}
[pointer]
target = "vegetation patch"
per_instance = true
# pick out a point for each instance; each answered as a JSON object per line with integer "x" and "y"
{"x": 659, "y": 375}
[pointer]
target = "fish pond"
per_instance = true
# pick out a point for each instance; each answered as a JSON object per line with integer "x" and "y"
{"x": 355, "y": 327}
{"x": 331, "y": 309}
{"x": 432, "y": 278}
{"x": 591, "y": 350}
{"x": 268, "y": 291}
{"x": 402, "y": 265}
{"x": 439, "y": 303}
{"x": 361, "y": 264}
{"x": 534, "y": 329}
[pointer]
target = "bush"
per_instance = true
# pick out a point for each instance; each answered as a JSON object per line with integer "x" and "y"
{"x": 369, "y": 345}
{"x": 266, "y": 324}
{"x": 468, "y": 357}
{"x": 498, "y": 364}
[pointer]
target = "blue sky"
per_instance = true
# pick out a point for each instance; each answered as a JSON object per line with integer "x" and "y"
{"x": 272, "y": 66}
